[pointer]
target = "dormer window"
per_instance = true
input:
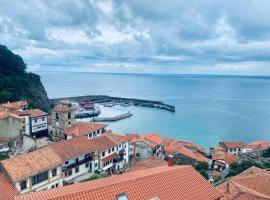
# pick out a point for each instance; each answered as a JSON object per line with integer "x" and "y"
{"x": 23, "y": 184}
{"x": 122, "y": 197}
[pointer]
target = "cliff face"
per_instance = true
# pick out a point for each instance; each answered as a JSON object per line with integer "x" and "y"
{"x": 17, "y": 84}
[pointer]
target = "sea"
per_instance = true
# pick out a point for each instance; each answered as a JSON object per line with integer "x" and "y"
{"x": 209, "y": 108}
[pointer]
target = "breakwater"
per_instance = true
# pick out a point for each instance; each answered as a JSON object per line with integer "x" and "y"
{"x": 114, "y": 118}
{"x": 103, "y": 99}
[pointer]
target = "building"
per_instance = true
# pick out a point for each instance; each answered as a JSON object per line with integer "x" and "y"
{"x": 10, "y": 129}
{"x": 182, "y": 153}
{"x": 144, "y": 146}
{"x": 114, "y": 152}
{"x": 63, "y": 117}
{"x": 234, "y": 148}
{"x": 222, "y": 161}
{"x": 18, "y": 105}
{"x": 85, "y": 129}
{"x": 256, "y": 146}
{"x": 33, "y": 171}
{"x": 253, "y": 184}
{"x": 65, "y": 161}
{"x": 166, "y": 183}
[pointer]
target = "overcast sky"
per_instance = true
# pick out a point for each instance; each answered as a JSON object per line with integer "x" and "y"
{"x": 148, "y": 36}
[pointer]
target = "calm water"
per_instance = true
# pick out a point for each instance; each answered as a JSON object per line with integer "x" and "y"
{"x": 208, "y": 108}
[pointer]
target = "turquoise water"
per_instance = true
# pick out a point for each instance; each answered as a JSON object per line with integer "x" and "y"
{"x": 208, "y": 108}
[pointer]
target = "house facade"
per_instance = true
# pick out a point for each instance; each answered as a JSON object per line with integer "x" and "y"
{"x": 234, "y": 148}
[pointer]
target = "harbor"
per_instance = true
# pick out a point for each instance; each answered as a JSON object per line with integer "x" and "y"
{"x": 114, "y": 118}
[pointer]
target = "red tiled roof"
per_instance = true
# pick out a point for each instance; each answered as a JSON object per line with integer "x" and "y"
{"x": 173, "y": 147}
{"x": 258, "y": 145}
{"x": 36, "y": 113}
{"x": 234, "y": 144}
{"x": 23, "y": 166}
{"x": 108, "y": 140}
{"x": 165, "y": 183}
{"x": 151, "y": 139}
{"x": 68, "y": 149}
{"x": 14, "y": 105}
{"x": 5, "y": 114}
{"x": 110, "y": 157}
{"x": 63, "y": 108}
{"x": 254, "y": 183}
{"x": 83, "y": 128}
{"x": 228, "y": 158}
{"x": 151, "y": 162}
{"x": 7, "y": 189}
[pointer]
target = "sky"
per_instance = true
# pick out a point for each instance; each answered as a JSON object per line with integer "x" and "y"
{"x": 140, "y": 36}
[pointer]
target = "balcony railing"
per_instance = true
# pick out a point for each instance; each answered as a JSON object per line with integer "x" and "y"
{"x": 65, "y": 168}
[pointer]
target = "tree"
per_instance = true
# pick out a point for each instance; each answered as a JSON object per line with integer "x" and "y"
{"x": 202, "y": 168}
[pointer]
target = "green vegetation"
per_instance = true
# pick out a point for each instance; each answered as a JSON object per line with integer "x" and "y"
{"x": 3, "y": 157}
{"x": 17, "y": 84}
{"x": 202, "y": 168}
{"x": 95, "y": 176}
{"x": 237, "y": 168}
{"x": 266, "y": 154}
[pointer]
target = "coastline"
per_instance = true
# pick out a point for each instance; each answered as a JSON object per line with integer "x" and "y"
{"x": 119, "y": 100}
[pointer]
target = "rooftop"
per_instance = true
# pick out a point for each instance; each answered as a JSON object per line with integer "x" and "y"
{"x": 62, "y": 108}
{"x": 178, "y": 182}
{"x": 36, "y": 113}
{"x": 228, "y": 158}
{"x": 254, "y": 183}
{"x": 7, "y": 189}
{"x": 151, "y": 139}
{"x": 258, "y": 145}
{"x": 14, "y": 105}
{"x": 109, "y": 140}
{"x": 233, "y": 144}
{"x": 23, "y": 166}
{"x": 147, "y": 163}
{"x": 83, "y": 128}
{"x": 4, "y": 114}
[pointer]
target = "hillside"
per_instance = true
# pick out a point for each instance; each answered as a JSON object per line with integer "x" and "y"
{"x": 17, "y": 84}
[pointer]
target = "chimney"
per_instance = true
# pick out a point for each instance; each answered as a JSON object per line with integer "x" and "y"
{"x": 228, "y": 187}
{"x": 170, "y": 161}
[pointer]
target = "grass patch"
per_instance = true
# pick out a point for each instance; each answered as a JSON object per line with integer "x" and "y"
{"x": 3, "y": 157}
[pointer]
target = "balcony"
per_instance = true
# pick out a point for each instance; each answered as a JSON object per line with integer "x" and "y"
{"x": 73, "y": 165}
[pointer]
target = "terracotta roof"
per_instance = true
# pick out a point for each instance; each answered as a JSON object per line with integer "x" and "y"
{"x": 4, "y": 139}
{"x": 63, "y": 108}
{"x": 254, "y": 183}
{"x": 14, "y": 105}
{"x": 4, "y": 114}
{"x": 7, "y": 189}
{"x": 151, "y": 162}
{"x": 110, "y": 157}
{"x": 151, "y": 139}
{"x": 23, "y": 166}
{"x": 258, "y": 145}
{"x": 36, "y": 113}
{"x": 166, "y": 183}
{"x": 108, "y": 140}
{"x": 83, "y": 128}
{"x": 173, "y": 147}
{"x": 228, "y": 158}
{"x": 68, "y": 149}
{"x": 233, "y": 144}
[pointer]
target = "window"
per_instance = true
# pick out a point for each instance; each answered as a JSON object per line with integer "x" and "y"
{"x": 77, "y": 160}
{"x": 23, "y": 127}
{"x": 109, "y": 150}
{"x": 68, "y": 173}
{"x": 113, "y": 149}
{"x": 56, "y": 185}
{"x": 87, "y": 165}
{"x": 23, "y": 184}
{"x": 90, "y": 135}
{"x": 39, "y": 178}
{"x": 43, "y": 119}
{"x": 120, "y": 145}
{"x": 103, "y": 153}
{"x": 35, "y": 120}
{"x": 54, "y": 172}
{"x": 69, "y": 115}
{"x": 52, "y": 186}
{"x": 56, "y": 116}
{"x": 77, "y": 169}
{"x": 66, "y": 163}
{"x": 95, "y": 164}
{"x": 122, "y": 197}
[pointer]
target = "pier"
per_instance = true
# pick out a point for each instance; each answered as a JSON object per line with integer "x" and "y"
{"x": 114, "y": 118}
{"x": 108, "y": 100}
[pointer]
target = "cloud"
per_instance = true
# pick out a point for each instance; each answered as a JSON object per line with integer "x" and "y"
{"x": 223, "y": 37}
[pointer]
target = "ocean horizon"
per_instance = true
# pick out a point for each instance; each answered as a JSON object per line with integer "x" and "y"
{"x": 209, "y": 108}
